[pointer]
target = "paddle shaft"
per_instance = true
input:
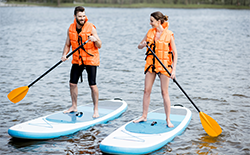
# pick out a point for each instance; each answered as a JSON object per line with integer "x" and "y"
{"x": 57, "y": 64}
{"x": 173, "y": 79}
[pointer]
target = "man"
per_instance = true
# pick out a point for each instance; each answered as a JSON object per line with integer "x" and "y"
{"x": 85, "y": 58}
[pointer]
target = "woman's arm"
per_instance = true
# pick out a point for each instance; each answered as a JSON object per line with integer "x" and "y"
{"x": 172, "y": 43}
{"x": 143, "y": 43}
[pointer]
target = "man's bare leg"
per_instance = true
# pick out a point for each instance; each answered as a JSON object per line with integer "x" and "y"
{"x": 74, "y": 94}
{"x": 95, "y": 98}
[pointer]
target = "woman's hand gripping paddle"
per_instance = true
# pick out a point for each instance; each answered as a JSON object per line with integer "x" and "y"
{"x": 18, "y": 94}
{"x": 211, "y": 127}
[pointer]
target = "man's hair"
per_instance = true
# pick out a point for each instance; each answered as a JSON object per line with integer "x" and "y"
{"x": 78, "y": 9}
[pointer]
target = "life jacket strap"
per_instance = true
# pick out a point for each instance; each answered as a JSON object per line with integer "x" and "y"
{"x": 148, "y": 68}
{"x": 86, "y": 51}
{"x": 80, "y": 57}
{"x": 152, "y": 46}
{"x": 171, "y": 54}
{"x": 80, "y": 43}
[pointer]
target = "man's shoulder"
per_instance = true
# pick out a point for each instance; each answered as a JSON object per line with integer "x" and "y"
{"x": 90, "y": 24}
{"x": 72, "y": 26}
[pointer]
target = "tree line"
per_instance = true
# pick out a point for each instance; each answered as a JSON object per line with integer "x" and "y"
{"x": 130, "y": 2}
{"x": 222, "y": 2}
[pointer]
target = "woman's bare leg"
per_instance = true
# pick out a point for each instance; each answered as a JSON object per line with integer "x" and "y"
{"x": 149, "y": 81}
{"x": 166, "y": 100}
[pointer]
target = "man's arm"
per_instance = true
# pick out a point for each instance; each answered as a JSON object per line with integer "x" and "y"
{"x": 66, "y": 48}
{"x": 94, "y": 37}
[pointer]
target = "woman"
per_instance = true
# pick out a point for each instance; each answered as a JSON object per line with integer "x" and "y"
{"x": 161, "y": 41}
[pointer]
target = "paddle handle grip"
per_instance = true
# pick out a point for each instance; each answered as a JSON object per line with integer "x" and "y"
{"x": 173, "y": 79}
{"x": 58, "y": 63}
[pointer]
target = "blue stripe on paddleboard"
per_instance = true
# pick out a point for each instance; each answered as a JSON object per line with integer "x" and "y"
{"x": 173, "y": 117}
{"x": 72, "y": 118}
{"x": 146, "y": 128}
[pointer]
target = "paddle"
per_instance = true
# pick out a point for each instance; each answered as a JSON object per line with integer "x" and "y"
{"x": 18, "y": 94}
{"x": 211, "y": 127}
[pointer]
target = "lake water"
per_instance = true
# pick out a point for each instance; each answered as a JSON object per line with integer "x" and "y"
{"x": 213, "y": 68}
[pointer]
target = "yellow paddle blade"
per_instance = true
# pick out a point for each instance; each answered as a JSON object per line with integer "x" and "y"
{"x": 211, "y": 127}
{"x": 18, "y": 94}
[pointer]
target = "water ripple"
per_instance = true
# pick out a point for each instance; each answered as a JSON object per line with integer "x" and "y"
{"x": 213, "y": 68}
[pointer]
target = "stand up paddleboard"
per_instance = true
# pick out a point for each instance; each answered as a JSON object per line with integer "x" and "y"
{"x": 145, "y": 137}
{"x": 60, "y": 124}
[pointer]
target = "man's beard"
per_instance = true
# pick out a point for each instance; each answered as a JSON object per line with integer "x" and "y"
{"x": 79, "y": 22}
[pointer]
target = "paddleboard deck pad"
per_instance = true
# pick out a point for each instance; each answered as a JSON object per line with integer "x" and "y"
{"x": 60, "y": 124}
{"x": 146, "y": 137}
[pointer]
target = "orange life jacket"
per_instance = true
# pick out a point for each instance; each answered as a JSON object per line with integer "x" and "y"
{"x": 89, "y": 54}
{"x": 162, "y": 50}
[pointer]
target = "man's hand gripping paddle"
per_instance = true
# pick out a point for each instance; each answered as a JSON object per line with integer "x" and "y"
{"x": 18, "y": 94}
{"x": 211, "y": 127}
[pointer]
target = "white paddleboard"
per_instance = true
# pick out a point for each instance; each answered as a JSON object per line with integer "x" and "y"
{"x": 146, "y": 137}
{"x": 60, "y": 124}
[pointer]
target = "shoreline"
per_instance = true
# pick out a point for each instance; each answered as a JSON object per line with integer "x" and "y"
{"x": 139, "y": 5}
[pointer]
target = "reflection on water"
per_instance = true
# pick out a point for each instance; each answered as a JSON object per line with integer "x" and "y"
{"x": 84, "y": 143}
{"x": 213, "y": 68}
{"x": 206, "y": 144}
{"x": 22, "y": 143}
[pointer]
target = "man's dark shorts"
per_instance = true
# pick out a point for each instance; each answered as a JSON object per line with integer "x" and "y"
{"x": 76, "y": 72}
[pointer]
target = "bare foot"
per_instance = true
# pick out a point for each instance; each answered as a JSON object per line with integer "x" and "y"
{"x": 71, "y": 109}
{"x": 96, "y": 114}
{"x": 170, "y": 125}
{"x": 142, "y": 119}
